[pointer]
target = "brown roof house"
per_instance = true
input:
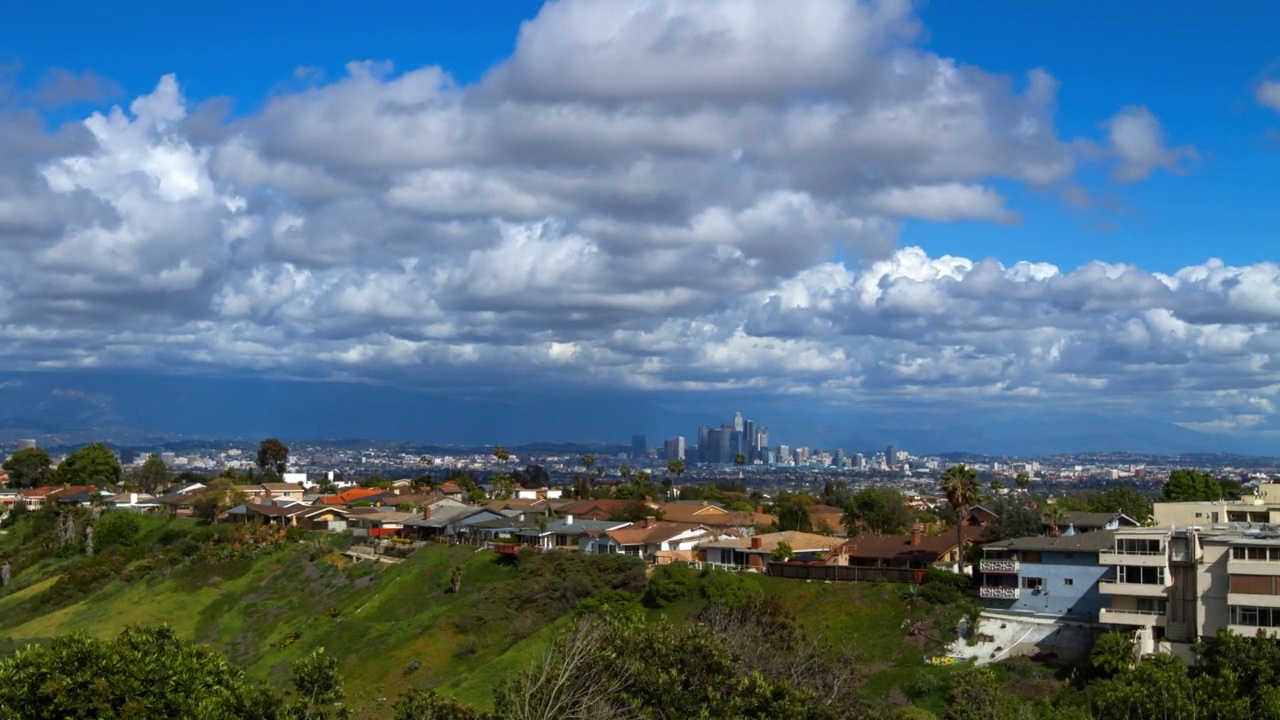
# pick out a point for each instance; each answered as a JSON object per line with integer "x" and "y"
{"x": 913, "y": 551}
{"x": 754, "y": 553}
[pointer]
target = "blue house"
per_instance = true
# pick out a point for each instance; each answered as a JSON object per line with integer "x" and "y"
{"x": 1050, "y": 577}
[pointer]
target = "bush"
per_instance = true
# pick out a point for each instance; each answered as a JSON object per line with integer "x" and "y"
{"x": 670, "y": 583}
{"x": 116, "y": 529}
{"x": 733, "y": 590}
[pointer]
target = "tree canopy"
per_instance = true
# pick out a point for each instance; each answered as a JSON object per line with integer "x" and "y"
{"x": 879, "y": 510}
{"x": 1186, "y": 485}
{"x": 152, "y": 476}
{"x": 28, "y": 467}
{"x": 90, "y": 465}
{"x": 273, "y": 455}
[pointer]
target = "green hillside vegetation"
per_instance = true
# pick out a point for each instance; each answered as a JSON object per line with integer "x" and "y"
{"x": 267, "y": 598}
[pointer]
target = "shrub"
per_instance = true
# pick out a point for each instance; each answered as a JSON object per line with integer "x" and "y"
{"x": 733, "y": 590}
{"x": 119, "y": 528}
{"x": 670, "y": 583}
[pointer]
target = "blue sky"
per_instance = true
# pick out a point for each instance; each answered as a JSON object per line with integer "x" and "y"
{"x": 871, "y": 205}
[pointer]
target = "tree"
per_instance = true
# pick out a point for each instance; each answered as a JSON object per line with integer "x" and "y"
{"x": 503, "y": 487}
{"x": 28, "y": 467}
{"x": 152, "y": 476}
{"x": 1112, "y": 652}
{"x": 588, "y": 460}
{"x": 1053, "y": 517}
{"x": 996, "y": 486}
{"x": 219, "y": 496}
{"x": 740, "y": 459}
{"x": 318, "y": 688}
{"x": 676, "y": 467}
{"x": 501, "y": 454}
{"x": 1186, "y": 485}
{"x": 455, "y": 580}
{"x": 141, "y": 673}
{"x": 1022, "y": 480}
{"x": 782, "y": 552}
{"x": 274, "y": 455}
{"x": 1122, "y": 499}
{"x": 960, "y": 484}
{"x": 792, "y": 510}
{"x": 1015, "y": 517}
{"x": 880, "y": 510}
{"x": 90, "y": 465}
{"x": 670, "y": 583}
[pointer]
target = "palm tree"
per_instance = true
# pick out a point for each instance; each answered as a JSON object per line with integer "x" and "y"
{"x": 996, "y": 485}
{"x": 1022, "y": 481}
{"x": 1112, "y": 652}
{"x": 740, "y": 459}
{"x": 960, "y": 483}
{"x": 1053, "y": 517}
{"x": 588, "y": 460}
{"x": 501, "y": 453}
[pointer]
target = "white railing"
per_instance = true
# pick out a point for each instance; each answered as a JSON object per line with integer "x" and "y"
{"x": 1125, "y": 611}
{"x": 999, "y": 592}
{"x": 998, "y": 566}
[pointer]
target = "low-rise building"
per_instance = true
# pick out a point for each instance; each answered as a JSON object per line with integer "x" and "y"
{"x": 1048, "y": 577}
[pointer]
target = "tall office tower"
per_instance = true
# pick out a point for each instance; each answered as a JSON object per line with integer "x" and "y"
{"x": 784, "y": 453}
{"x": 860, "y": 460}
{"x": 639, "y": 446}
{"x": 762, "y": 437}
{"x": 712, "y": 453}
{"x": 737, "y": 421}
{"x": 749, "y": 445}
{"x": 725, "y": 445}
{"x": 802, "y": 455}
{"x": 891, "y": 456}
{"x": 673, "y": 448}
{"x": 704, "y": 444}
{"x": 837, "y": 457}
{"x": 26, "y": 443}
{"x": 737, "y": 444}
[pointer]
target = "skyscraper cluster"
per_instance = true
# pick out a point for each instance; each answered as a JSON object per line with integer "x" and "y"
{"x": 737, "y": 442}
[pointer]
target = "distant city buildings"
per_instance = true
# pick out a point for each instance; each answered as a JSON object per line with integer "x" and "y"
{"x": 673, "y": 448}
{"x": 27, "y": 444}
{"x": 639, "y": 446}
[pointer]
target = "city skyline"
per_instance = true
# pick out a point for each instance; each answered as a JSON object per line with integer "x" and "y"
{"x": 939, "y": 227}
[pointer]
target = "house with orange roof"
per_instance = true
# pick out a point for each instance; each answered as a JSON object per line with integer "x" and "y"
{"x": 347, "y": 497}
{"x": 717, "y": 517}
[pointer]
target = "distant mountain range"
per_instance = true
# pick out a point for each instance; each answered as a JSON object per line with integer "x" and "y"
{"x": 74, "y": 408}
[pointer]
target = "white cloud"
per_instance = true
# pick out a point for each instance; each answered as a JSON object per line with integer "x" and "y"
{"x": 1267, "y": 93}
{"x": 1137, "y": 143}
{"x": 631, "y": 218}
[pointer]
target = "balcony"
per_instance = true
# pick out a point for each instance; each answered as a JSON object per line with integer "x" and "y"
{"x": 1253, "y": 567}
{"x": 1151, "y": 590}
{"x": 1112, "y": 557}
{"x": 998, "y": 566}
{"x": 1141, "y": 618}
{"x": 1252, "y": 600}
{"x": 999, "y": 592}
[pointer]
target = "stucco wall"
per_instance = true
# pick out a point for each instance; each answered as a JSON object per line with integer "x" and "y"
{"x": 1078, "y": 601}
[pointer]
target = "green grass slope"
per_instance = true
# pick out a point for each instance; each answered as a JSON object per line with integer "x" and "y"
{"x": 396, "y": 627}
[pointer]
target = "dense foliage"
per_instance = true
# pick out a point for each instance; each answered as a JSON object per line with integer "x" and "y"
{"x": 879, "y": 510}
{"x": 90, "y": 465}
{"x": 1186, "y": 485}
{"x": 147, "y": 673}
{"x": 28, "y": 467}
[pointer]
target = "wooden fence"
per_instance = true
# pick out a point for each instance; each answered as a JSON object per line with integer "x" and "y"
{"x": 845, "y": 573}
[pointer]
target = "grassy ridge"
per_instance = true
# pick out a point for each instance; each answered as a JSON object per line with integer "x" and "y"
{"x": 396, "y": 627}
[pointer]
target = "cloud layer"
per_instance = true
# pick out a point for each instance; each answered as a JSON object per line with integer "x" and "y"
{"x": 644, "y": 195}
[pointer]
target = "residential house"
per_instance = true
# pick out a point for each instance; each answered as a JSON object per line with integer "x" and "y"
{"x": 539, "y": 493}
{"x": 1076, "y": 522}
{"x": 75, "y": 496}
{"x": 647, "y": 538}
{"x": 137, "y": 502}
{"x": 714, "y": 516}
{"x": 452, "y": 490}
{"x": 564, "y": 533}
{"x": 283, "y": 491}
{"x": 597, "y": 508}
{"x": 1055, "y": 577}
{"x": 914, "y": 551}
{"x": 306, "y": 517}
{"x": 34, "y": 498}
{"x": 755, "y": 552}
{"x": 508, "y": 526}
{"x": 347, "y": 498}
{"x": 445, "y": 518}
{"x": 8, "y": 498}
{"x": 377, "y": 522}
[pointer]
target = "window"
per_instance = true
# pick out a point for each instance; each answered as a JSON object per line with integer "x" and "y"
{"x": 1068, "y": 581}
{"x": 1032, "y": 583}
{"x": 1152, "y": 605}
{"x": 1140, "y": 575}
{"x": 1255, "y": 584}
{"x": 1138, "y": 546}
{"x": 1031, "y": 556}
{"x": 1255, "y": 616}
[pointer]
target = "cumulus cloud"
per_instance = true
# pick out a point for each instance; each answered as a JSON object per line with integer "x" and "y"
{"x": 646, "y": 194}
{"x": 1137, "y": 143}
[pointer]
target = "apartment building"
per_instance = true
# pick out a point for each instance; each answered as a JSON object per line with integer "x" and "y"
{"x": 1046, "y": 577}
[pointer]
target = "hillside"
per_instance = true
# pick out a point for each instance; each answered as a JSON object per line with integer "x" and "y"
{"x": 391, "y": 627}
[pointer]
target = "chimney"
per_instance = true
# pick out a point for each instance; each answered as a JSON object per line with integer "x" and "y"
{"x": 426, "y": 513}
{"x": 759, "y": 509}
{"x": 756, "y": 543}
{"x": 915, "y": 536}
{"x": 568, "y": 519}
{"x": 650, "y": 521}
